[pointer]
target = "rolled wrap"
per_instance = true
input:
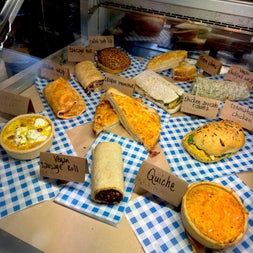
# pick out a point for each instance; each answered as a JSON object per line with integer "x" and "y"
{"x": 220, "y": 89}
{"x": 64, "y": 100}
{"x": 107, "y": 173}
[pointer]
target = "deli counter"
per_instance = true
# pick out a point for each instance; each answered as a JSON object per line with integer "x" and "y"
{"x": 51, "y": 214}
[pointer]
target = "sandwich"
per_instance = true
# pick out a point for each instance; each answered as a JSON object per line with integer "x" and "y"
{"x": 159, "y": 90}
{"x": 214, "y": 141}
{"x": 88, "y": 76}
{"x": 141, "y": 121}
{"x": 184, "y": 72}
{"x": 167, "y": 60}
{"x": 220, "y": 89}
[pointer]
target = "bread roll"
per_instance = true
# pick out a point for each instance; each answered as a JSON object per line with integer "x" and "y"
{"x": 107, "y": 182}
{"x": 214, "y": 141}
{"x": 113, "y": 60}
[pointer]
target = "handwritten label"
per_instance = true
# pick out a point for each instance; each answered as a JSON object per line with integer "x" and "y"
{"x": 209, "y": 64}
{"x": 68, "y": 168}
{"x": 238, "y": 113}
{"x": 100, "y": 42}
{"x": 125, "y": 85}
{"x": 161, "y": 183}
{"x": 14, "y": 104}
{"x": 205, "y": 107}
{"x": 53, "y": 71}
{"x": 78, "y": 54}
{"x": 238, "y": 74}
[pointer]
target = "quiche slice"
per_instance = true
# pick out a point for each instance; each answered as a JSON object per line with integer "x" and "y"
{"x": 105, "y": 117}
{"x": 213, "y": 215}
{"x": 141, "y": 121}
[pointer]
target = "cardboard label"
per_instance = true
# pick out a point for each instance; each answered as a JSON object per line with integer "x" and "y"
{"x": 238, "y": 113}
{"x": 100, "y": 42}
{"x": 14, "y": 104}
{"x": 78, "y": 54}
{"x": 53, "y": 71}
{"x": 161, "y": 183}
{"x": 205, "y": 107}
{"x": 125, "y": 85}
{"x": 68, "y": 168}
{"x": 209, "y": 64}
{"x": 238, "y": 74}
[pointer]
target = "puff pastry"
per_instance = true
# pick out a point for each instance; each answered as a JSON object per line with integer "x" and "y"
{"x": 167, "y": 60}
{"x": 107, "y": 179}
{"x": 140, "y": 120}
{"x": 64, "y": 100}
{"x": 89, "y": 76}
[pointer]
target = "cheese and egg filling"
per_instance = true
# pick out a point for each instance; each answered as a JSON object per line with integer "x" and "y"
{"x": 26, "y": 133}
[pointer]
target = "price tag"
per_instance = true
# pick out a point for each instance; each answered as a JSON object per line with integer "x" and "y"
{"x": 210, "y": 65}
{"x": 161, "y": 183}
{"x": 15, "y": 104}
{"x": 201, "y": 106}
{"x": 100, "y": 42}
{"x": 238, "y": 74}
{"x": 67, "y": 168}
{"x": 53, "y": 71}
{"x": 78, "y": 54}
{"x": 238, "y": 113}
{"x": 125, "y": 85}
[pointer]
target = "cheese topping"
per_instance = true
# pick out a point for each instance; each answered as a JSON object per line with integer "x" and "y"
{"x": 26, "y": 133}
{"x": 217, "y": 213}
{"x": 143, "y": 119}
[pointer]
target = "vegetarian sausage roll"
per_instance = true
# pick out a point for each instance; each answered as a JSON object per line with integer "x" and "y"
{"x": 107, "y": 182}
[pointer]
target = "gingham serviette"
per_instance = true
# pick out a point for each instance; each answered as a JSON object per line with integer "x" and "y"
{"x": 186, "y": 167}
{"x": 21, "y": 185}
{"x": 78, "y": 196}
{"x": 159, "y": 228}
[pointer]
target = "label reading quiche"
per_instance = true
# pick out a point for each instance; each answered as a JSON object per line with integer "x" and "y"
{"x": 161, "y": 183}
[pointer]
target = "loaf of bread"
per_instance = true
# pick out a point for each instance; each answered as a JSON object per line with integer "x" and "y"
{"x": 113, "y": 60}
{"x": 214, "y": 141}
{"x": 167, "y": 60}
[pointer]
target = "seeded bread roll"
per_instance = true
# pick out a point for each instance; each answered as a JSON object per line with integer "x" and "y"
{"x": 113, "y": 60}
{"x": 214, "y": 141}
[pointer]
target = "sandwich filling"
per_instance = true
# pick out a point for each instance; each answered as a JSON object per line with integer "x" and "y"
{"x": 203, "y": 155}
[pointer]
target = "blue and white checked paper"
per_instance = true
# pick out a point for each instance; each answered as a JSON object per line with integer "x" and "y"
{"x": 159, "y": 228}
{"x": 189, "y": 169}
{"x": 20, "y": 183}
{"x": 78, "y": 196}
